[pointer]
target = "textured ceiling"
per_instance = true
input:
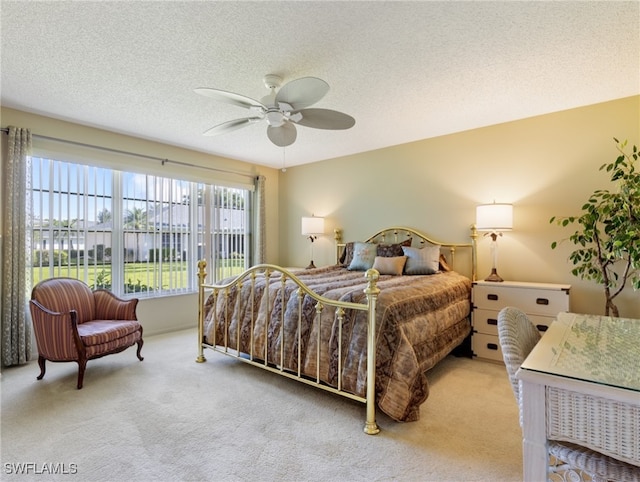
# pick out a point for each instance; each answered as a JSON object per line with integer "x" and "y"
{"x": 404, "y": 70}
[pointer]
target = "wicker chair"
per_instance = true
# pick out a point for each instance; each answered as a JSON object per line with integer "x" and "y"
{"x": 73, "y": 323}
{"x": 518, "y": 335}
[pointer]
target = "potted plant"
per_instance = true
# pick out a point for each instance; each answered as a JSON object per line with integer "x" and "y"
{"x": 608, "y": 234}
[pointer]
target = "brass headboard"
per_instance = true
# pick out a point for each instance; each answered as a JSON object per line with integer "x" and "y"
{"x": 399, "y": 234}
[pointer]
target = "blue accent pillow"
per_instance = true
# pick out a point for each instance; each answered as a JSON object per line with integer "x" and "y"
{"x": 364, "y": 254}
{"x": 421, "y": 260}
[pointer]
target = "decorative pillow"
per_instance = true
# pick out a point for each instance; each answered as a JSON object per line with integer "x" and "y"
{"x": 444, "y": 266}
{"x": 421, "y": 260}
{"x": 347, "y": 255}
{"x": 383, "y": 250}
{"x": 392, "y": 250}
{"x": 390, "y": 264}
{"x": 364, "y": 254}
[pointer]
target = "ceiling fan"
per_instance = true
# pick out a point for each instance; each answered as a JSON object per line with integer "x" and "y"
{"x": 282, "y": 110}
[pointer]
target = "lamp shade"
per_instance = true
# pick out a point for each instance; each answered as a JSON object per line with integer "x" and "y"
{"x": 312, "y": 225}
{"x": 494, "y": 217}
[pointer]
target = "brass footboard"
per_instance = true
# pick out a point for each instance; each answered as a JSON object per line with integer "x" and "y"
{"x": 278, "y": 365}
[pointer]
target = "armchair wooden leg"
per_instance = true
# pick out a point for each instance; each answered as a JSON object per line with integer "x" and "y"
{"x": 139, "y": 348}
{"x": 82, "y": 365}
{"x": 41, "y": 361}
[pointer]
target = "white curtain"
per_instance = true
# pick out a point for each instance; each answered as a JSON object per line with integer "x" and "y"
{"x": 16, "y": 326}
{"x": 260, "y": 243}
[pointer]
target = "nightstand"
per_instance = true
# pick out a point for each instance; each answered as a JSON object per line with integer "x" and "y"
{"x": 540, "y": 301}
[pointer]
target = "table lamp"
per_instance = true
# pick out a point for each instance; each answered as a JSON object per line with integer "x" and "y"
{"x": 494, "y": 218}
{"x": 311, "y": 228}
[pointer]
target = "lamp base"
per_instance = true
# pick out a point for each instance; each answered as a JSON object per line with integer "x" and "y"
{"x": 311, "y": 265}
{"x": 494, "y": 276}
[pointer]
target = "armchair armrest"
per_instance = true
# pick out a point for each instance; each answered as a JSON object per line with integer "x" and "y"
{"x": 110, "y": 307}
{"x": 56, "y": 333}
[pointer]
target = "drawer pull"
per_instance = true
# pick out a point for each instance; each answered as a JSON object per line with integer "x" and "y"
{"x": 492, "y": 346}
{"x": 492, "y": 297}
{"x": 542, "y": 301}
{"x": 542, "y": 327}
{"x": 492, "y": 321}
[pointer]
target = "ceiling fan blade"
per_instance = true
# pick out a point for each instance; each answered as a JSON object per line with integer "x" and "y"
{"x": 302, "y": 93}
{"x": 325, "y": 119}
{"x": 282, "y": 136}
{"x": 230, "y": 98}
{"x": 231, "y": 125}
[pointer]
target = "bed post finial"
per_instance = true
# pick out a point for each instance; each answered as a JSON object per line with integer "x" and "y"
{"x": 372, "y": 276}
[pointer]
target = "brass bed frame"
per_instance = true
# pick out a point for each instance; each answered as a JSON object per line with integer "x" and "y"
{"x": 388, "y": 235}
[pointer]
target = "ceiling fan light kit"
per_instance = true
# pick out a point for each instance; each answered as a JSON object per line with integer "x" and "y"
{"x": 275, "y": 118}
{"x": 282, "y": 109}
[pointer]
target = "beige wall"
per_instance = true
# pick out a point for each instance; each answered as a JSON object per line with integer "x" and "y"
{"x": 157, "y": 315}
{"x": 545, "y": 166}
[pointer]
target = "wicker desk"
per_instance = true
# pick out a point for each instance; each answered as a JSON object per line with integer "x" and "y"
{"x": 581, "y": 383}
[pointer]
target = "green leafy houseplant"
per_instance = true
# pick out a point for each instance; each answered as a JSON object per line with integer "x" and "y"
{"x": 608, "y": 234}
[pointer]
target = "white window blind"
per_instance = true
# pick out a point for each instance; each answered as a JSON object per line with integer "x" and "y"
{"x": 134, "y": 233}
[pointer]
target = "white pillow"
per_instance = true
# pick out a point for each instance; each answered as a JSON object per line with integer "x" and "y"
{"x": 421, "y": 260}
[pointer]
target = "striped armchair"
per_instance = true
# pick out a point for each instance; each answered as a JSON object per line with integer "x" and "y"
{"x": 73, "y": 323}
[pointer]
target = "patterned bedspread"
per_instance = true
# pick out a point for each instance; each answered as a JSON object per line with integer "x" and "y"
{"x": 419, "y": 320}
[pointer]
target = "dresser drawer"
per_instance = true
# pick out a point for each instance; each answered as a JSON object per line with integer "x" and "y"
{"x": 542, "y": 322}
{"x": 485, "y": 321}
{"x": 486, "y": 346}
{"x": 530, "y": 300}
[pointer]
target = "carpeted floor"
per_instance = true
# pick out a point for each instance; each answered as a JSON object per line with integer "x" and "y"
{"x": 168, "y": 419}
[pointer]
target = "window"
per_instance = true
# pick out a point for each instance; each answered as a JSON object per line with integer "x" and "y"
{"x": 131, "y": 232}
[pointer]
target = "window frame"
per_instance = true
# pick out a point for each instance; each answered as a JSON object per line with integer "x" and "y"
{"x": 195, "y": 236}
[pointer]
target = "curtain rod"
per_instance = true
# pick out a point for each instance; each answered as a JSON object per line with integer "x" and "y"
{"x": 135, "y": 154}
